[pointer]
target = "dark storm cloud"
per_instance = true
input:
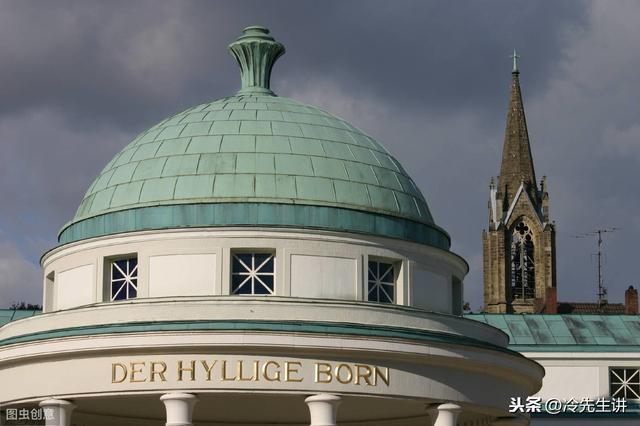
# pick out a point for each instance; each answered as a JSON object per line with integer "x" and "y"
{"x": 428, "y": 79}
{"x": 131, "y": 61}
{"x": 435, "y": 55}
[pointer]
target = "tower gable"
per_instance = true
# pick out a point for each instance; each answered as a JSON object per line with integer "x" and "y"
{"x": 522, "y": 206}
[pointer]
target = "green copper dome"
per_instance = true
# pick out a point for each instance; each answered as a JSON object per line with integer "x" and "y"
{"x": 255, "y": 159}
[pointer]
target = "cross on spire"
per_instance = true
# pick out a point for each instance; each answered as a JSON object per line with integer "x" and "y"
{"x": 515, "y": 58}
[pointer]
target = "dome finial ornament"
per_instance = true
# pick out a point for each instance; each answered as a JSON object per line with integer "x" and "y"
{"x": 256, "y": 51}
{"x": 515, "y": 58}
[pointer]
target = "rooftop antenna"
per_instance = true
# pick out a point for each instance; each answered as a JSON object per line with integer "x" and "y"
{"x": 602, "y": 291}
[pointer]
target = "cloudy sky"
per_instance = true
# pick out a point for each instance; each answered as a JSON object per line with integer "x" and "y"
{"x": 428, "y": 79}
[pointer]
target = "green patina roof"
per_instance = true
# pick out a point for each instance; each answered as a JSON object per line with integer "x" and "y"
{"x": 567, "y": 333}
{"x": 8, "y": 315}
{"x": 255, "y": 147}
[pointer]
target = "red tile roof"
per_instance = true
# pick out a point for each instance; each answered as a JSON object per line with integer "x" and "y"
{"x": 590, "y": 308}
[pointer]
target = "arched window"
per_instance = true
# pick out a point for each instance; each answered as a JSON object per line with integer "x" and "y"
{"x": 523, "y": 267}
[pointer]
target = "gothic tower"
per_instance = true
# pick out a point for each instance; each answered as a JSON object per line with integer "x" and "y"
{"x": 519, "y": 245}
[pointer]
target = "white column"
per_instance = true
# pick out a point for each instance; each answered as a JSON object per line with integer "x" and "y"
{"x": 432, "y": 411}
{"x": 447, "y": 415}
{"x": 323, "y": 409}
{"x": 179, "y": 408}
{"x": 57, "y": 412}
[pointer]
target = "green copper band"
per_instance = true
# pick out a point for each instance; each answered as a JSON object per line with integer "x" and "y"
{"x": 255, "y": 214}
{"x": 323, "y": 328}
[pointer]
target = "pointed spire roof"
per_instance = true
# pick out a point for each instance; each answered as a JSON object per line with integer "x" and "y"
{"x": 517, "y": 162}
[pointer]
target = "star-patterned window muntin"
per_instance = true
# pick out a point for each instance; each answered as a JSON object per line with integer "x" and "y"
{"x": 381, "y": 281}
{"x": 253, "y": 273}
{"x": 124, "y": 279}
{"x": 624, "y": 382}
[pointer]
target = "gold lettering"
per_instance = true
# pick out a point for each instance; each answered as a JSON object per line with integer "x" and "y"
{"x": 191, "y": 370}
{"x": 244, "y": 379}
{"x": 269, "y": 370}
{"x": 136, "y": 370}
{"x": 208, "y": 368}
{"x": 366, "y": 375}
{"x": 289, "y": 371}
{"x": 323, "y": 372}
{"x": 340, "y": 368}
{"x": 160, "y": 373}
{"x": 225, "y": 378}
{"x": 256, "y": 370}
{"x": 379, "y": 373}
{"x": 123, "y": 369}
{"x": 265, "y": 371}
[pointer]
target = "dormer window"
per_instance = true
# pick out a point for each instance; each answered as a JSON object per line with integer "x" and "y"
{"x": 253, "y": 273}
{"x": 124, "y": 279}
{"x": 381, "y": 279}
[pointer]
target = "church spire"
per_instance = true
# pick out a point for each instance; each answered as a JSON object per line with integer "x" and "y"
{"x": 519, "y": 244}
{"x": 517, "y": 163}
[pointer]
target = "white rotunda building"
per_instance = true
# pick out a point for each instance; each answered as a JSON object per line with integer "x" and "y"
{"x": 254, "y": 261}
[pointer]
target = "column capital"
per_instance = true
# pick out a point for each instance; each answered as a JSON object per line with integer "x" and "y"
{"x": 61, "y": 411}
{"x": 323, "y": 409}
{"x": 324, "y": 397}
{"x": 447, "y": 414}
{"x": 450, "y": 407}
{"x": 179, "y": 396}
{"x": 179, "y": 407}
{"x": 57, "y": 403}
